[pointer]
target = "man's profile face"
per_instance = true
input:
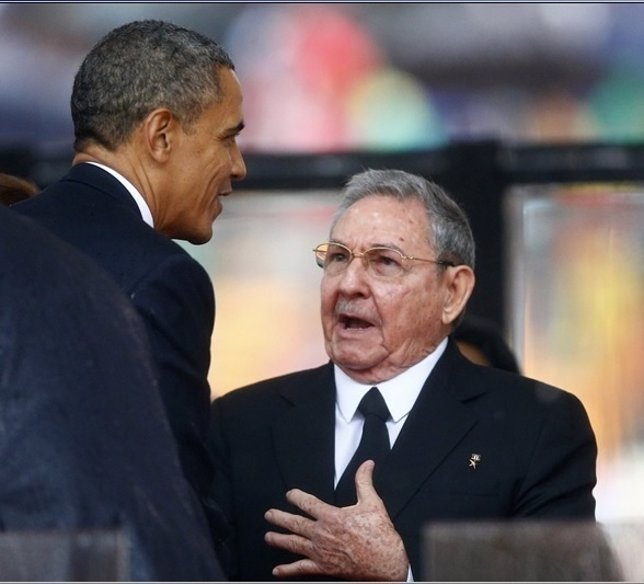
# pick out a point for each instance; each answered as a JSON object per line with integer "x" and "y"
{"x": 205, "y": 161}
{"x": 375, "y": 328}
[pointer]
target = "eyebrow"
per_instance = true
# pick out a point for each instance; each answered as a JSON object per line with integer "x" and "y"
{"x": 372, "y": 245}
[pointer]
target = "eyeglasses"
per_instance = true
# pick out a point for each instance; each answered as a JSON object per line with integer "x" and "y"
{"x": 383, "y": 262}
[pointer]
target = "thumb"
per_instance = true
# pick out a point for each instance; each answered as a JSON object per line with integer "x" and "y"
{"x": 364, "y": 482}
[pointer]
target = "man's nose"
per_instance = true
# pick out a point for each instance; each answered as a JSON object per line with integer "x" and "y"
{"x": 355, "y": 277}
{"x": 238, "y": 171}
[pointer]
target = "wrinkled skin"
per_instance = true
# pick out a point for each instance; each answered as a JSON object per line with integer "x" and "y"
{"x": 375, "y": 329}
{"x": 355, "y": 543}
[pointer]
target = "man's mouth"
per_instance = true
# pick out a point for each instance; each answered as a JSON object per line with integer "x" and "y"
{"x": 352, "y": 322}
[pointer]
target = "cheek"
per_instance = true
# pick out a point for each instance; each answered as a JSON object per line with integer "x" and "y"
{"x": 407, "y": 313}
{"x": 403, "y": 324}
{"x": 219, "y": 160}
{"x": 208, "y": 177}
{"x": 205, "y": 162}
{"x": 327, "y": 299}
{"x": 218, "y": 163}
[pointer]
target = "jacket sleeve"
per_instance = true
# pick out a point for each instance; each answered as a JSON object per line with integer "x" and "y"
{"x": 561, "y": 471}
{"x": 221, "y": 492}
{"x": 176, "y": 301}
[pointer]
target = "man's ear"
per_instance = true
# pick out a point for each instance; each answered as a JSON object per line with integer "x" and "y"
{"x": 460, "y": 284}
{"x": 159, "y": 133}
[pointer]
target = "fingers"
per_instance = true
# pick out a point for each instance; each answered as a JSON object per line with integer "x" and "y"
{"x": 290, "y": 522}
{"x": 364, "y": 483}
{"x": 308, "y": 503}
{"x": 356, "y": 543}
{"x": 290, "y": 542}
{"x": 304, "y": 567}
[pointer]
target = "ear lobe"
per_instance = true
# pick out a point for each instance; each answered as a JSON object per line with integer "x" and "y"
{"x": 159, "y": 128}
{"x": 460, "y": 284}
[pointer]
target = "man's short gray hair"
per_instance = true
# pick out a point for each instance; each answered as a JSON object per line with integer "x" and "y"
{"x": 138, "y": 67}
{"x": 449, "y": 234}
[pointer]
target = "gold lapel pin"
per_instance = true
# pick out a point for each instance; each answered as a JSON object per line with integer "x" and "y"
{"x": 474, "y": 460}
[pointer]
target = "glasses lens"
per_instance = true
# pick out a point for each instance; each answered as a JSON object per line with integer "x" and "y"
{"x": 337, "y": 258}
{"x": 385, "y": 262}
{"x": 320, "y": 254}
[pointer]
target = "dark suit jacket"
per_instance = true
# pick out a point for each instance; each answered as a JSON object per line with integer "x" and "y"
{"x": 536, "y": 447}
{"x": 84, "y": 439}
{"x": 92, "y": 211}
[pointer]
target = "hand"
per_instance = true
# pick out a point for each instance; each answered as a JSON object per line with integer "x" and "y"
{"x": 355, "y": 543}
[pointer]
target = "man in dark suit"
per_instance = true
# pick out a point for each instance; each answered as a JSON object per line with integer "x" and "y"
{"x": 84, "y": 441}
{"x": 451, "y": 440}
{"x": 156, "y": 110}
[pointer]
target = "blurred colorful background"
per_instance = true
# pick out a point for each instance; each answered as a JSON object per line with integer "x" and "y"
{"x": 334, "y": 76}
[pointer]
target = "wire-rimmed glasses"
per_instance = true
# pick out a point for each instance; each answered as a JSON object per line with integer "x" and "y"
{"x": 381, "y": 261}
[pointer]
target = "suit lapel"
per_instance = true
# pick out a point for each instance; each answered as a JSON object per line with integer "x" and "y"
{"x": 436, "y": 424}
{"x": 305, "y": 435}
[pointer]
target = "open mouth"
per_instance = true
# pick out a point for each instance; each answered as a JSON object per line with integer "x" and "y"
{"x": 352, "y": 322}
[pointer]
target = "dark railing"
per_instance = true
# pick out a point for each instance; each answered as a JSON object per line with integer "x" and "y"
{"x": 477, "y": 173}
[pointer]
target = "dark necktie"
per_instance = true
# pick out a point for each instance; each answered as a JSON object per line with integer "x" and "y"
{"x": 374, "y": 445}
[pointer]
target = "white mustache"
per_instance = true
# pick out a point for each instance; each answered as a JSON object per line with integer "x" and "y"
{"x": 349, "y": 308}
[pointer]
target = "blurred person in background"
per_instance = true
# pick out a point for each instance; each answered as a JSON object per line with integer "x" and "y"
{"x": 14, "y": 189}
{"x": 451, "y": 440}
{"x": 85, "y": 443}
{"x": 157, "y": 110}
{"x": 481, "y": 341}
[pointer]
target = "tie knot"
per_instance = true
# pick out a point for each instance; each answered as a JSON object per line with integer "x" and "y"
{"x": 373, "y": 404}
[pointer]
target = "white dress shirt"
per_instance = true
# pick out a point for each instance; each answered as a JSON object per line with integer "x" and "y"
{"x": 399, "y": 393}
{"x": 136, "y": 195}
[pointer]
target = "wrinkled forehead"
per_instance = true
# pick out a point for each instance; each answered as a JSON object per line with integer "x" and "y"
{"x": 383, "y": 220}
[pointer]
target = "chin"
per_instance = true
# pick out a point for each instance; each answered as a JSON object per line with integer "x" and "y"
{"x": 351, "y": 361}
{"x": 199, "y": 239}
{"x": 194, "y": 236}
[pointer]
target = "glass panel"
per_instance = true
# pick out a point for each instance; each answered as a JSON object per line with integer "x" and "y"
{"x": 266, "y": 284}
{"x": 64, "y": 556}
{"x": 576, "y": 295}
{"x": 533, "y": 552}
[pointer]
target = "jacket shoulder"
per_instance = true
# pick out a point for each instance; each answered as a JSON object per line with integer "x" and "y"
{"x": 297, "y": 384}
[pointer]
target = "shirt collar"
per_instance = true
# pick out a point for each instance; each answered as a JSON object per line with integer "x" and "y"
{"x": 136, "y": 195}
{"x": 400, "y": 393}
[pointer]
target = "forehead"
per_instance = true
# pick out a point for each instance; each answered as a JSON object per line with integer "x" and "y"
{"x": 380, "y": 219}
{"x": 229, "y": 86}
{"x": 226, "y": 113}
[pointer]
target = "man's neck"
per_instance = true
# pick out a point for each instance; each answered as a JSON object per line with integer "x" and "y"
{"x": 121, "y": 161}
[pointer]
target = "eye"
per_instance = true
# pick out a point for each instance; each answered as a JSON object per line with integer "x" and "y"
{"x": 385, "y": 258}
{"x": 386, "y": 262}
{"x": 337, "y": 255}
